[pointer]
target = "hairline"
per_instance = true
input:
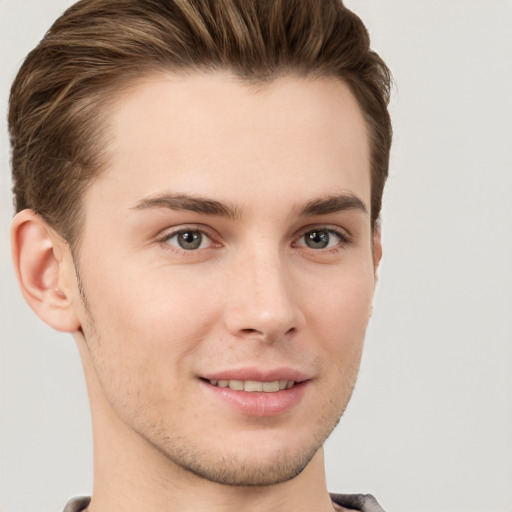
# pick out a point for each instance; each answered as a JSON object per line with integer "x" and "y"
{"x": 113, "y": 93}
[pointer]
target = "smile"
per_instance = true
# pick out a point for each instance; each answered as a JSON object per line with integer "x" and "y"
{"x": 253, "y": 386}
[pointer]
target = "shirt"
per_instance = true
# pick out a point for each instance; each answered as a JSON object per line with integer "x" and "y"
{"x": 356, "y": 502}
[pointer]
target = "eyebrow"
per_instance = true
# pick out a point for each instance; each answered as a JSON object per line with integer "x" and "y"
{"x": 324, "y": 206}
{"x": 187, "y": 202}
{"x": 333, "y": 204}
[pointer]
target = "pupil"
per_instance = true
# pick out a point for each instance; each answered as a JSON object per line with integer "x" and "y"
{"x": 317, "y": 239}
{"x": 189, "y": 240}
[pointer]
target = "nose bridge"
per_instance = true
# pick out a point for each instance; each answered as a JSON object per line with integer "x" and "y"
{"x": 261, "y": 302}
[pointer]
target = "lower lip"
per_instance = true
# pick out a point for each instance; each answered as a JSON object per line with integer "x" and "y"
{"x": 259, "y": 403}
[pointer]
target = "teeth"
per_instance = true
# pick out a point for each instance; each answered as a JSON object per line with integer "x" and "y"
{"x": 270, "y": 387}
{"x": 236, "y": 384}
{"x": 253, "y": 386}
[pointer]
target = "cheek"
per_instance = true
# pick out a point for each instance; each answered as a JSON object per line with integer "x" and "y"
{"x": 147, "y": 328}
{"x": 339, "y": 318}
{"x": 157, "y": 302}
{"x": 342, "y": 308}
{"x": 144, "y": 336}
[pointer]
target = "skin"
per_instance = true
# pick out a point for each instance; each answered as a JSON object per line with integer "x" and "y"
{"x": 152, "y": 319}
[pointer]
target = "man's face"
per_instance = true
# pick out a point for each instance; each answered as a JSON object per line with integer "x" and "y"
{"x": 228, "y": 243}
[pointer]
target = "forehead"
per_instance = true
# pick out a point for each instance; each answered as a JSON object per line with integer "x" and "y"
{"x": 209, "y": 134}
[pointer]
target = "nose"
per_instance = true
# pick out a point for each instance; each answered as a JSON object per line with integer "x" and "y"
{"x": 261, "y": 299}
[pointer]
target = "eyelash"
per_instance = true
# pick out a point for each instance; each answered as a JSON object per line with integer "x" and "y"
{"x": 344, "y": 238}
{"x": 164, "y": 240}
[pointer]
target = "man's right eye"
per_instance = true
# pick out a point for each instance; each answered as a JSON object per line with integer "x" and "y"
{"x": 189, "y": 240}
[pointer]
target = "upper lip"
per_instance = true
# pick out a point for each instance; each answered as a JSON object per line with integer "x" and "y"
{"x": 258, "y": 374}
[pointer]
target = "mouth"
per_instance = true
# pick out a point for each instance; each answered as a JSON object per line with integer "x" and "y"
{"x": 253, "y": 386}
{"x": 254, "y": 392}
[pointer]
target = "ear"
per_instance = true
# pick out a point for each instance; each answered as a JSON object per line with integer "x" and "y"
{"x": 377, "y": 250}
{"x": 45, "y": 271}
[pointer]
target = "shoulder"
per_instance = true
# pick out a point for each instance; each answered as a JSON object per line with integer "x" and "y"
{"x": 77, "y": 504}
{"x": 358, "y": 502}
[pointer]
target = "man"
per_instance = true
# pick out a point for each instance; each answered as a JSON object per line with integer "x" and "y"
{"x": 198, "y": 187}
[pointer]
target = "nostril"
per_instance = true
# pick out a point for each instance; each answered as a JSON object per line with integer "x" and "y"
{"x": 263, "y": 335}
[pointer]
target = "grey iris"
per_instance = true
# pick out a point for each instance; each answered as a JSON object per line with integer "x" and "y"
{"x": 317, "y": 239}
{"x": 190, "y": 240}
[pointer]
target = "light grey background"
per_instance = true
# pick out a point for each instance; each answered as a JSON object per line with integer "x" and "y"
{"x": 430, "y": 424}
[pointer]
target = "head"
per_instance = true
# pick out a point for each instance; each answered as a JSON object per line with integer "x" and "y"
{"x": 203, "y": 182}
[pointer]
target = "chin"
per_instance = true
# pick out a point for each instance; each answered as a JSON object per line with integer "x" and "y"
{"x": 253, "y": 459}
{"x": 247, "y": 472}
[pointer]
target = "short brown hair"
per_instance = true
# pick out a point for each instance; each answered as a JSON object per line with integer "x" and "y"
{"x": 98, "y": 47}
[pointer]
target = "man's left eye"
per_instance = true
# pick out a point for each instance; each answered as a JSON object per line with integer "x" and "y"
{"x": 189, "y": 240}
{"x": 320, "y": 239}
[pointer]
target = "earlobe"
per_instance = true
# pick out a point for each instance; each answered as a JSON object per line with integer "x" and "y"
{"x": 377, "y": 250}
{"x": 43, "y": 266}
{"x": 377, "y": 256}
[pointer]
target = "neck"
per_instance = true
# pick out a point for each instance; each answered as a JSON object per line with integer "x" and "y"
{"x": 145, "y": 482}
{"x": 130, "y": 474}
